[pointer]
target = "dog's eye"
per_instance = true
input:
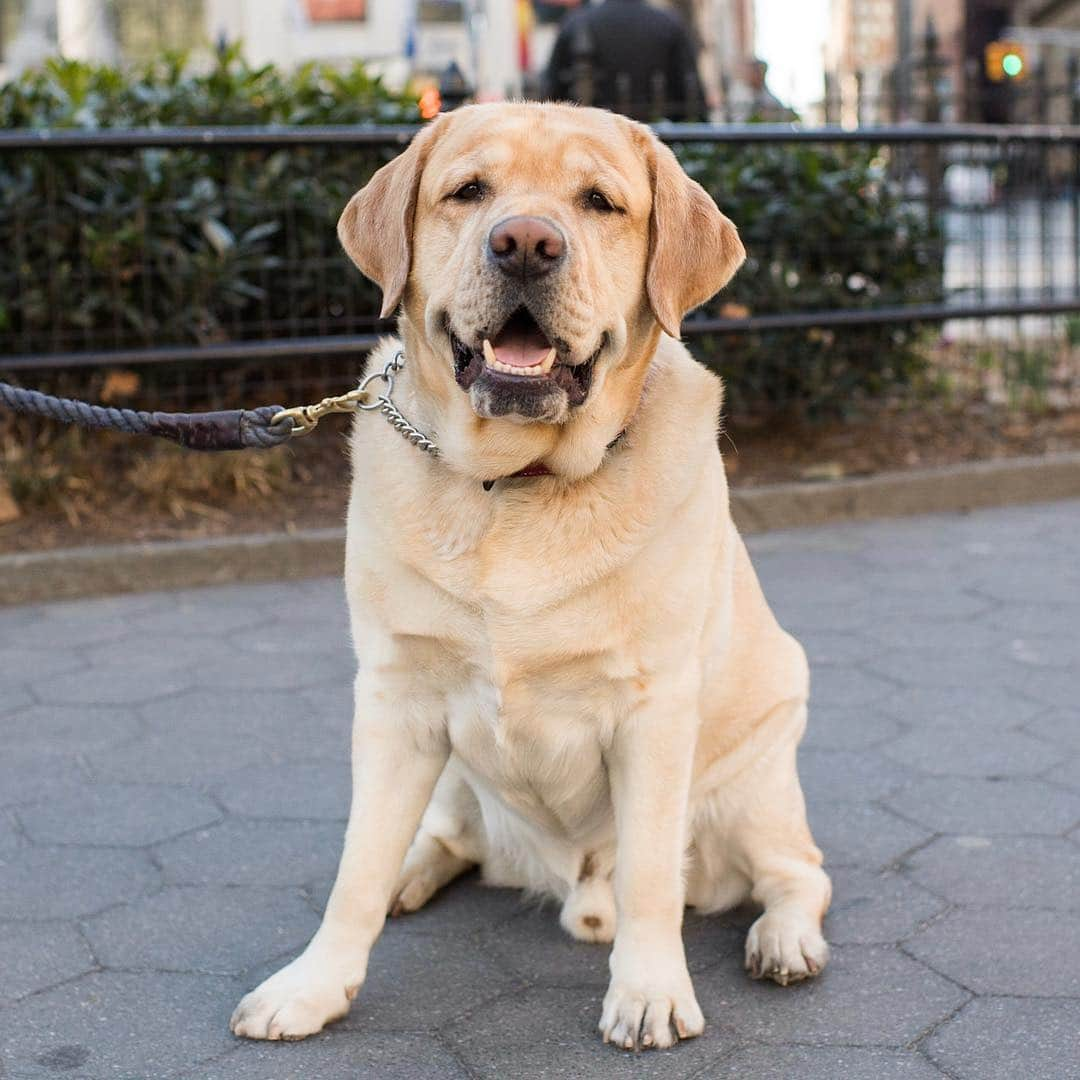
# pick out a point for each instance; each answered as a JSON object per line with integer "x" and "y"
{"x": 473, "y": 191}
{"x": 597, "y": 200}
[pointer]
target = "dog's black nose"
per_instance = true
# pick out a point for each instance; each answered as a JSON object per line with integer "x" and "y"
{"x": 526, "y": 246}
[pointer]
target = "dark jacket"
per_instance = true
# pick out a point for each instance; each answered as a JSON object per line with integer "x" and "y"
{"x": 627, "y": 56}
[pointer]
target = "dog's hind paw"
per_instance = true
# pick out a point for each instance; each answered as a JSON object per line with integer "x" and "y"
{"x": 785, "y": 948}
{"x": 428, "y": 866}
{"x": 588, "y": 913}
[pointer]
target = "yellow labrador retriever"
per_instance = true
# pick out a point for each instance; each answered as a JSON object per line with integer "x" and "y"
{"x": 569, "y": 677}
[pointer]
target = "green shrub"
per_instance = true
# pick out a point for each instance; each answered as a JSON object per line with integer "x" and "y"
{"x": 171, "y": 92}
{"x": 129, "y": 248}
{"x": 826, "y": 229}
{"x": 142, "y": 247}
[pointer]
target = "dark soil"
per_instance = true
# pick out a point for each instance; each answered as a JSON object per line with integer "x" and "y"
{"x": 96, "y": 495}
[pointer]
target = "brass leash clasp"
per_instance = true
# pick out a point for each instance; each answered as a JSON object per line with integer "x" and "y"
{"x": 305, "y": 418}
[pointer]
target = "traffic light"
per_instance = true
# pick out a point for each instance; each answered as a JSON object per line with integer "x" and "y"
{"x": 1006, "y": 61}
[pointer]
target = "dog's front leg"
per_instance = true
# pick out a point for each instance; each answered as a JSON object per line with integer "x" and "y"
{"x": 650, "y": 765}
{"x": 397, "y": 755}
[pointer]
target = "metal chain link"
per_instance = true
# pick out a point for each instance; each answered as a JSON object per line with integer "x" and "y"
{"x": 404, "y": 428}
{"x": 305, "y": 418}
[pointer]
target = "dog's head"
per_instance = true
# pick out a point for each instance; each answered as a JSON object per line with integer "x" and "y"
{"x": 537, "y": 248}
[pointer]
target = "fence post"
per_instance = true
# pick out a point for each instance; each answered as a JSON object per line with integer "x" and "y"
{"x": 1073, "y": 79}
{"x": 581, "y": 48}
{"x": 454, "y": 89}
{"x": 659, "y": 96}
{"x": 932, "y": 69}
{"x": 1039, "y": 90}
{"x": 624, "y": 97}
{"x": 695, "y": 109}
{"x": 860, "y": 98}
{"x": 972, "y": 91}
{"x": 932, "y": 159}
{"x": 726, "y": 116}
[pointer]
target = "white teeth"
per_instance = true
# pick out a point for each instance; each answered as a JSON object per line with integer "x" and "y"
{"x": 496, "y": 364}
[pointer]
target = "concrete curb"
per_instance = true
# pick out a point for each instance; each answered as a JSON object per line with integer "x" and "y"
{"x": 948, "y": 489}
{"x": 69, "y": 573}
{"x": 94, "y": 571}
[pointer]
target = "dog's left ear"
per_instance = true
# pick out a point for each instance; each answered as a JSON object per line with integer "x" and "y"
{"x": 694, "y": 250}
{"x": 376, "y": 226}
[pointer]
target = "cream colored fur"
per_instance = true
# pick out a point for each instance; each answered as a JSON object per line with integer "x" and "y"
{"x": 571, "y": 681}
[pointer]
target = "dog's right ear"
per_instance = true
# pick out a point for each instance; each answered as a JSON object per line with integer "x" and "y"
{"x": 375, "y": 229}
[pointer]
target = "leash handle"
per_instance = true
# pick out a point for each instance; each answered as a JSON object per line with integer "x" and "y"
{"x": 231, "y": 429}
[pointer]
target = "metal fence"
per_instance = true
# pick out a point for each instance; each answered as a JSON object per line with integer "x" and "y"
{"x": 209, "y": 255}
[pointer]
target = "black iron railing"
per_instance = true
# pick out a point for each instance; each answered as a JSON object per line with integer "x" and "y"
{"x": 216, "y": 246}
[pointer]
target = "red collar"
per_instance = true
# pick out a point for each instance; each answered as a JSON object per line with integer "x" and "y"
{"x": 538, "y": 468}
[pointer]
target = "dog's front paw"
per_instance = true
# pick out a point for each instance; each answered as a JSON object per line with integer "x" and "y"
{"x": 649, "y": 1016}
{"x": 650, "y": 1004}
{"x": 298, "y": 1001}
{"x": 786, "y": 947}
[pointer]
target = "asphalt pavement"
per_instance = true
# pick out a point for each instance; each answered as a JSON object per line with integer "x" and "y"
{"x": 174, "y": 781}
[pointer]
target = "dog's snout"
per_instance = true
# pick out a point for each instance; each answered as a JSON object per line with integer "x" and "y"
{"x": 526, "y": 246}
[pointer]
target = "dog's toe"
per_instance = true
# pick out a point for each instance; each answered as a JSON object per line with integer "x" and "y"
{"x": 294, "y": 1003}
{"x": 638, "y": 1020}
{"x": 786, "y": 948}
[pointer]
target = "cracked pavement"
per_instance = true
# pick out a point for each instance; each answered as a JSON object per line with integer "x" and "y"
{"x": 174, "y": 783}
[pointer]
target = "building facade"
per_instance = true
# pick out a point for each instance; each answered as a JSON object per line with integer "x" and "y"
{"x": 501, "y": 46}
{"x": 860, "y": 54}
{"x": 1049, "y": 31}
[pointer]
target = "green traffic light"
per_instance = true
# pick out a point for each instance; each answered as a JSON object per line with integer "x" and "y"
{"x": 1012, "y": 64}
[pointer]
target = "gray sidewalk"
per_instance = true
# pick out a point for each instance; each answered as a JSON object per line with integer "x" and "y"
{"x": 173, "y": 782}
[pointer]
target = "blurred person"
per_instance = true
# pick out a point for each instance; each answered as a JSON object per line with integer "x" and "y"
{"x": 764, "y": 104}
{"x": 627, "y": 56}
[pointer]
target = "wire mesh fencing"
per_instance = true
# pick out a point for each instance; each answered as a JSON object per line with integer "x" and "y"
{"x": 205, "y": 261}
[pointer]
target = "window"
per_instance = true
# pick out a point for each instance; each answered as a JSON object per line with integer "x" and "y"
{"x": 335, "y": 10}
{"x": 443, "y": 11}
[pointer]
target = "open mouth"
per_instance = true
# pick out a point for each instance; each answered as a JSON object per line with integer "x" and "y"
{"x": 520, "y": 358}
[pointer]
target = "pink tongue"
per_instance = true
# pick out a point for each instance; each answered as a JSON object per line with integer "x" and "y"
{"x": 520, "y": 349}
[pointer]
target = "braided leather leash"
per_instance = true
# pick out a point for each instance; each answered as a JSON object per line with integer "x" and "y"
{"x": 230, "y": 429}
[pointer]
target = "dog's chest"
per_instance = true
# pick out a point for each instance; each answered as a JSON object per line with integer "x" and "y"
{"x": 538, "y": 746}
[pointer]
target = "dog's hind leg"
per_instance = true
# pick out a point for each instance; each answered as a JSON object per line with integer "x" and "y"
{"x": 772, "y": 841}
{"x": 450, "y": 841}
